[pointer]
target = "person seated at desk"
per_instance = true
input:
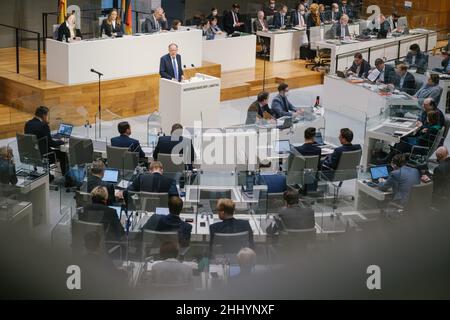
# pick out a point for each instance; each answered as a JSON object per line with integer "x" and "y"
{"x": 416, "y": 58}
{"x": 322, "y": 13}
{"x": 346, "y": 9}
{"x": 445, "y": 64}
{"x": 170, "y": 66}
{"x": 345, "y": 138}
{"x": 340, "y": 30}
{"x": 232, "y": 20}
{"x": 387, "y": 73}
{"x": 309, "y": 148}
{"x": 7, "y": 167}
{"x": 68, "y": 30}
{"x": 112, "y": 26}
{"x": 225, "y": 208}
{"x": 430, "y": 105}
{"x": 401, "y": 180}
{"x": 154, "y": 181}
{"x": 260, "y": 23}
{"x": 334, "y": 14}
{"x": 175, "y": 142}
{"x": 431, "y": 89}
{"x": 156, "y": 22}
{"x": 95, "y": 179}
{"x": 385, "y": 27}
{"x": 313, "y": 19}
{"x": 276, "y": 182}
{"x": 270, "y": 9}
{"x": 170, "y": 272}
{"x": 212, "y": 30}
{"x": 259, "y": 109}
{"x": 441, "y": 180}
{"x": 214, "y": 14}
{"x": 176, "y": 24}
{"x": 39, "y": 126}
{"x": 292, "y": 216}
{"x": 393, "y": 22}
{"x": 405, "y": 81}
{"x": 124, "y": 140}
{"x": 360, "y": 67}
{"x": 280, "y": 18}
{"x": 298, "y": 17}
{"x": 246, "y": 259}
{"x": 281, "y": 106}
{"x": 99, "y": 212}
{"x": 171, "y": 222}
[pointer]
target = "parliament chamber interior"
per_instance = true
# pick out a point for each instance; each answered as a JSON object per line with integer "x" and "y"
{"x": 245, "y": 149}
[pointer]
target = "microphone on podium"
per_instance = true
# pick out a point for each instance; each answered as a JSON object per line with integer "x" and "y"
{"x": 99, "y": 73}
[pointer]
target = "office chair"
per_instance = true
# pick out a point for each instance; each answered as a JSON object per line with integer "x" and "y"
{"x": 292, "y": 241}
{"x": 173, "y": 164}
{"x": 346, "y": 170}
{"x": 81, "y": 151}
{"x": 149, "y": 201}
{"x": 34, "y": 151}
{"x": 152, "y": 240}
{"x": 79, "y": 229}
{"x": 419, "y": 202}
{"x": 82, "y": 199}
{"x": 298, "y": 167}
{"x": 212, "y": 196}
{"x": 115, "y": 157}
{"x": 275, "y": 202}
{"x": 229, "y": 244}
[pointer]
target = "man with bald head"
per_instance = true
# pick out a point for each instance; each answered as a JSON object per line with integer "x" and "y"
{"x": 441, "y": 179}
{"x": 430, "y": 105}
{"x": 170, "y": 67}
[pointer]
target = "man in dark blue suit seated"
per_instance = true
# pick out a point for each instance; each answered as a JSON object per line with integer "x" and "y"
{"x": 124, "y": 140}
{"x": 175, "y": 143}
{"x": 172, "y": 222}
{"x": 309, "y": 148}
{"x": 170, "y": 67}
{"x": 276, "y": 182}
{"x": 225, "y": 209}
{"x": 345, "y": 138}
{"x": 154, "y": 181}
{"x": 281, "y": 106}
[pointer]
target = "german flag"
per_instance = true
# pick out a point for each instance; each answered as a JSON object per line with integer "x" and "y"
{"x": 62, "y": 11}
{"x": 127, "y": 16}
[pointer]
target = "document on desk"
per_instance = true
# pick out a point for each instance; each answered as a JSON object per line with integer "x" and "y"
{"x": 373, "y": 76}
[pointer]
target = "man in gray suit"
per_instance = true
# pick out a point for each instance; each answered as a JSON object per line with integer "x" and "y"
{"x": 281, "y": 107}
{"x": 156, "y": 22}
{"x": 340, "y": 30}
{"x": 171, "y": 272}
{"x": 401, "y": 180}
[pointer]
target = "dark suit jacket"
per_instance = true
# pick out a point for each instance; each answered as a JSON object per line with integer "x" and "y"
{"x": 309, "y": 149}
{"x": 297, "y": 218}
{"x": 364, "y": 70}
{"x": 332, "y": 161}
{"x": 94, "y": 181}
{"x": 424, "y": 119}
{"x": 401, "y": 181}
{"x": 231, "y": 226}
{"x": 421, "y": 60}
{"x": 282, "y": 107}
{"x": 348, "y": 11}
{"x": 63, "y": 30}
{"x": 294, "y": 18}
{"x": 389, "y": 75}
{"x": 151, "y": 26}
{"x": 42, "y": 131}
{"x": 257, "y": 26}
{"x": 409, "y": 84}
{"x": 337, "y": 31}
{"x": 166, "y": 70}
{"x": 256, "y": 108}
{"x": 108, "y": 29}
{"x": 124, "y": 141}
{"x": 277, "y": 23}
{"x": 99, "y": 213}
{"x": 310, "y": 22}
{"x": 155, "y": 182}
{"x": 166, "y": 145}
{"x": 228, "y": 23}
{"x": 276, "y": 183}
{"x": 171, "y": 222}
{"x": 441, "y": 183}
{"x": 7, "y": 172}
{"x": 329, "y": 16}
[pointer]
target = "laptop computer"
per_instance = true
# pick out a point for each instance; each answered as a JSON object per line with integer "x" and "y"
{"x": 318, "y": 139}
{"x": 282, "y": 147}
{"x": 378, "y": 172}
{"x": 111, "y": 176}
{"x": 64, "y": 131}
{"x": 341, "y": 74}
{"x": 162, "y": 211}
{"x": 287, "y": 123}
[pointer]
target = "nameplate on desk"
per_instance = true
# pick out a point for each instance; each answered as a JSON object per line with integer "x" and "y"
{"x": 201, "y": 87}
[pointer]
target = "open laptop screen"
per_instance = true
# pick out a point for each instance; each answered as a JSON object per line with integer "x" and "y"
{"x": 111, "y": 176}
{"x": 65, "y": 129}
{"x": 379, "y": 172}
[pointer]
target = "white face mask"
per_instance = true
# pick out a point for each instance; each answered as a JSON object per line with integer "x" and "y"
{"x": 302, "y": 11}
{"x": 286, "y": 94}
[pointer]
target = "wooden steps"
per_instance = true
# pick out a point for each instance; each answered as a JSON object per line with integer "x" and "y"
{"x": 12, "y": 121}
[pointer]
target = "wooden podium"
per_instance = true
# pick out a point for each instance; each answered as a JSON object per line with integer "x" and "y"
{"x": 186, "y": 102}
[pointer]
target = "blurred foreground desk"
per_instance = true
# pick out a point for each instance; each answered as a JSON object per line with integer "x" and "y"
{"x": 16, "y": 215}
{"x": 36, "y": 191}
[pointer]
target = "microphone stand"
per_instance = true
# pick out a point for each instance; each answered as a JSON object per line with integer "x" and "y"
{"x": 99, "y": 105}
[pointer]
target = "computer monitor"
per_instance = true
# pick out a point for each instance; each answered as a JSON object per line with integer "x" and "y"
{"x": 65, "y": 130}
{"x": 162, "y": 211}
{"x": 379, "y": 172}
{"x": 282, "y": 146}
{"x": 111, "y": 176}
{"x": 402, "y": 22}
{"x": 318, "y": 139}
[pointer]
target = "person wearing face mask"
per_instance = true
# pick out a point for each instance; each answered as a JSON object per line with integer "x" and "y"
{"x": 214, "y": 14}
{"x": 270, "y": 9}
{"x": 334, "y": 14}
{"x": 322, "y": 13}
{"x": 281, "y": 107}
{"x": 346, "y": 9}
{"x": 298, "y": 17}
{"x": 68, "y": 29}
{"x": 232, "y": 20}
{"x": 280, "y": 18}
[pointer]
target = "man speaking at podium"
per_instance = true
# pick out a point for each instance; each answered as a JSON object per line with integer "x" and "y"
{"x": 171, "y": 67}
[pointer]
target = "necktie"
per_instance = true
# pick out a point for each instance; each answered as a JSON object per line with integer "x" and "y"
{"x": 175, "y": 68}
{"x": 285, "y": 103}
{"x": 282, "y": 20}
{"x": 344, "y": 10}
